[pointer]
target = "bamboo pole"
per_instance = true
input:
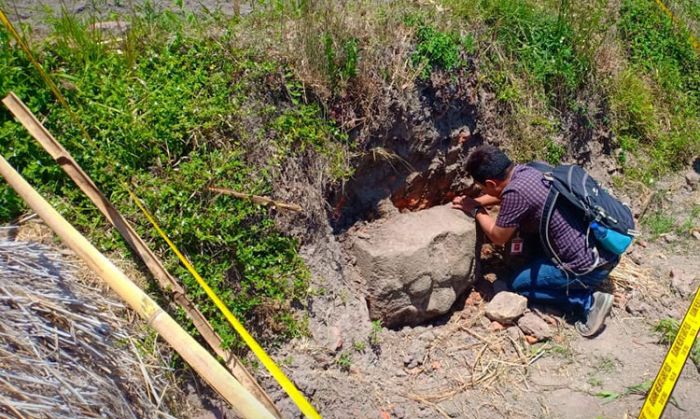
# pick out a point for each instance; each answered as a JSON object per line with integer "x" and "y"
{"x": 195, "y": 355}
{"x": 166, "y": 281}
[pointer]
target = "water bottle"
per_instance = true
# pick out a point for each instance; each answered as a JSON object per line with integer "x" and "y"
{"x": 610, "y": 239}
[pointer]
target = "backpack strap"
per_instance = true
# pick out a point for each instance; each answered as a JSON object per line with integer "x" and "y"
{"x": 547, "y": 211}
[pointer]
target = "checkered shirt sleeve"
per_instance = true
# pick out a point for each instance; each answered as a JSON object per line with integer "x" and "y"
{"x": 514, "y": 208}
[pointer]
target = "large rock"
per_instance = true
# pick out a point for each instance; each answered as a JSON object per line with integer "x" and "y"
{"x": 415, "y": 265}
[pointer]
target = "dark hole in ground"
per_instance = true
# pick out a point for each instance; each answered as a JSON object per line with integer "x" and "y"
{"x": 416, "y": 162}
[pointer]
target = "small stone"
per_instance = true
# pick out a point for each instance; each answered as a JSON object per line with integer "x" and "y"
{"x": 336, "y": 339}
{"x": 505, "y": 307}
{"x": 642, "y": 243}
{"x": 496, "y": 326}
{"x": 474, "y": 299}
{"x": 670, "y": 238}
{"x": 696, "y": 234}
{"x": 531, "y": 339}
{"x": 407, "y": 360}
{"x": 692, "y": 178}
{"x": 532, "y": 324}
{"x": 491, "y": 277}
{"x": 514, "y": 333}
{"x": 399, "y": 412}
{"x": 636, "y": 257}
{"x": 680, "y": 283}
{"x": 636, "y": 306}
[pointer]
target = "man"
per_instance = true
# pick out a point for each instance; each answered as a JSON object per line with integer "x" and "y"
{"x": 521, "y": 192}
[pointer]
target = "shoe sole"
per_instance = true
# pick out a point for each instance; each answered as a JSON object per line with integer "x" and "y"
{"x": 602, "y": 306}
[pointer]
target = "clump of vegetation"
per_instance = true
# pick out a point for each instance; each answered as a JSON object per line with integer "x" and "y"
{"x": 344, "y": 361}
{"x": 668, "y": 330}
{"x": 436, "y": 49}
{"x": 171, "y": 112}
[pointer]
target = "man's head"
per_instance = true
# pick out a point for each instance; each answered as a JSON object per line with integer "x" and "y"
{"x": 490, "y": 168}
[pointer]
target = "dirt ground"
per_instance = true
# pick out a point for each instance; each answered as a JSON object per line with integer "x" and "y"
{"x": 459, "y": 366}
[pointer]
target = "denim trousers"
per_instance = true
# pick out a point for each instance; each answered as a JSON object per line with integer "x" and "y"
{"x": 541, "y": 281}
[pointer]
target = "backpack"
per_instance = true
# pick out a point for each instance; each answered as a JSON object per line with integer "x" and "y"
{"x": 597, "y": 205}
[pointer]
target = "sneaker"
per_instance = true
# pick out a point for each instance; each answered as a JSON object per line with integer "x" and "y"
{"x": 602, "y": 303}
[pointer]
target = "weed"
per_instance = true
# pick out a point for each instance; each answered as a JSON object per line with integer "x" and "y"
{"x": 594, "y": 381}
{"x": 344, "y": 361}
{"x": 690, "y": 223}
{"x": 374, "y": 339}
{"x": 169, "y": 116}
{"x": 658, "y": 223}
{"x": 562, "y": 351}
{"x": 437, "y": 49}
{"x": 555, "y": 152}
{"x": 668, "y": 329}
{"x": 359, "y": 346}
{"x": 606, "y": 364}
{"x": 640, "y": 389}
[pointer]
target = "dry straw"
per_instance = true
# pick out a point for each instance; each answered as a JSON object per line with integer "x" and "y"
{"x": 64, "y": 351}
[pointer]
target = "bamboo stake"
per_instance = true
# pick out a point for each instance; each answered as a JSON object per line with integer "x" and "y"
{"x": 195, "y": 355}
{"x": 262, "y": 200}
{"x": 166, "y": 281}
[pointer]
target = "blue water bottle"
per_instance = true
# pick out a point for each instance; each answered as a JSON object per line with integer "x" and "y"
{"x": 610, "y": 239}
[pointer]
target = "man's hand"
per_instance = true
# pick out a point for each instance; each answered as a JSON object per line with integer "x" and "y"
{"x": 497, "y": 235}
{"x": 464, "y": 203}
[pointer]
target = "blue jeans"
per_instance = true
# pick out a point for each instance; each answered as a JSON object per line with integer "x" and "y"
{"x": 541, "y": 281}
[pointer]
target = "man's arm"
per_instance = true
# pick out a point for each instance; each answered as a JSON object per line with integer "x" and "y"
{"x": 488, "y": 200}
{"x": 498, "y": 235}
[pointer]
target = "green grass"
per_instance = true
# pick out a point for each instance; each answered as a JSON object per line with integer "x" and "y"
{"x": 656, "y": 104}
{"x": 171, "y": 112}
{"x": 658, "y": 223}
{"x": 668, "y": 329}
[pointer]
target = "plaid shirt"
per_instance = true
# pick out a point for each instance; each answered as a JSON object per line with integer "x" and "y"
{"x": 521, "y": 206}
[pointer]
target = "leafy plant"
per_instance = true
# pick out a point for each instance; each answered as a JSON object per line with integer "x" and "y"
{"x": 437, "y": 49}
{"x": 344, "y": 361}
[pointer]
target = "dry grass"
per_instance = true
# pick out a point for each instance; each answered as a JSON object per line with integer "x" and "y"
{"x": 628, "y": 276}
{"x": 67, "y": 350}
{"x": 309, "y": 38}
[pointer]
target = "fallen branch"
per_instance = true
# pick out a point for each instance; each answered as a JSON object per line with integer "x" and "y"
{"x": 261, "y": 200}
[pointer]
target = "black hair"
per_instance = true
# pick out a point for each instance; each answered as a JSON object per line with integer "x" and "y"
{"x": 488, "y": 162}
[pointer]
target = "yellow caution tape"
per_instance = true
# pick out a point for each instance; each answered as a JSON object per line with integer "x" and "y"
{"x": 665, "y": 381}
{"x": 259, "y": 352}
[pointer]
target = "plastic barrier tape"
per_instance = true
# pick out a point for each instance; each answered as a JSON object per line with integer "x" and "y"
{"x": 665, "y": 381}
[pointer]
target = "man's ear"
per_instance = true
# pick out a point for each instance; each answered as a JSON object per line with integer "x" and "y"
{"x": 490, "y": 183}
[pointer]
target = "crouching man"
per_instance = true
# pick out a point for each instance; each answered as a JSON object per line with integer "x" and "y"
{"x": 521, "y": 191}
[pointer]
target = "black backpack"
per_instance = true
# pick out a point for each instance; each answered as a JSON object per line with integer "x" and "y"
{"x": 574, "y": 184}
